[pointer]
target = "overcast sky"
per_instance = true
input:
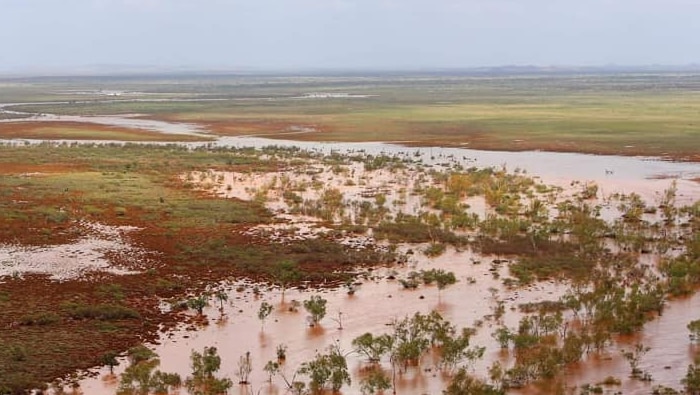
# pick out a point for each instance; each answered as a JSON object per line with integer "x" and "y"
{"x": 346, "y": 34}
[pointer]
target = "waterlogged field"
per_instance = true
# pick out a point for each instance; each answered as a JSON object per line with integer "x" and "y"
{"x": 625, "y": 114}
{"x": 214, "y": 267}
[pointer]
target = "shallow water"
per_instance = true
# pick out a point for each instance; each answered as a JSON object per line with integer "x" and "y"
{"x": 125, "y": 121}
{"x": 371, "y": 309}
{"x": 379, "y": 301}
{"x": 614, "y": 174}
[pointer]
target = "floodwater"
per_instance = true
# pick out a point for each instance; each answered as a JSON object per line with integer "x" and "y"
{"x": 375, "y": 304}
{"x": 126, "y": 120}
{"x": 379, "y": 300}
{"x": 613, "y": 174}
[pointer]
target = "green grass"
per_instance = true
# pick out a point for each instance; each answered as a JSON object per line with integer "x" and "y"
{"x": 137, "y": 183}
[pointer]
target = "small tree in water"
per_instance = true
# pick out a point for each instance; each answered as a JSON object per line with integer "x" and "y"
{"x": 204, "y": 367}
{"x": 140, "y": 377}
{"x": 634, "y": 357}
{"x": 245, "y": 366}
{"x": 110, "y": 359}
{"x": 285, "y": 273}
{"x": 198, "y": 304}
{"x": 263, "y": 313}
{"x": 325, "y": 370}
{"x": 694, "y": 328}
{"x": 373, "y": 347}
{"x": 221, "y": 296}
{"x": 316, "y": 306}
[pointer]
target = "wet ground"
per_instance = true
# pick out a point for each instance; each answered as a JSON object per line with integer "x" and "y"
{"x": 378, "y": 299}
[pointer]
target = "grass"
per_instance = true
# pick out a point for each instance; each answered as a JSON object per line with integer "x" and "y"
{"x": 132, "y": 183}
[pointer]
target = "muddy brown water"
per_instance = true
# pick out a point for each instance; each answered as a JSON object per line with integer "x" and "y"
{"x": 375, "y": 304}
{"x": 379, "y": 301}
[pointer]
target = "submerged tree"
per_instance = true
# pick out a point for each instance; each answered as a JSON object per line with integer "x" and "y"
{"x": 285, "y": 273}
{"x": 464, "y": 384}
{"x": 263, "y": 313}
{"x": 245, "y": 367}
{"x": 375, "y": 381}
{"x": 110, "y": 359}
{"x": 203, "y": 380}
{"x": 271, "y": 368}
{"x": 222, "y": 297}
{"x": 694, "y": 328}
{"x": 327, "y": 370}
{"x": 691, "y": 381}
{"x": 316, "y": 306}
{"x": 141, "y": 376}
{"x": 198, "y": 304}
{"x": 373, "y": 347}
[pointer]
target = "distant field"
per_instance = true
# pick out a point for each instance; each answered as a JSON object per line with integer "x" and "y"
{"x": 615, "y": 114}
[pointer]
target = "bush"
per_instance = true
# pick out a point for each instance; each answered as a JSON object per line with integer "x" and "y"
{"x": 39, "y": 319}
{"x": 104, "y": 312}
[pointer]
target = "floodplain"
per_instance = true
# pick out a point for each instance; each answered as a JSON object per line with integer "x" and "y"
{"x": 472, "y": 271}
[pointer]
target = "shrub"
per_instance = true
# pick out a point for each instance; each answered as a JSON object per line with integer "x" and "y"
{"x": 39, "y": 319}
{"x": 104, "y": 312}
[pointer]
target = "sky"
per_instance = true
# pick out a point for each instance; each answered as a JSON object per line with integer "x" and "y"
{"x": 345, "y": 34}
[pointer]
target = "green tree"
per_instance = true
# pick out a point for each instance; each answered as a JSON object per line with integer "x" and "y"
{"x": 456, "y": 349}
{"x": 327, "y": 370}
{"x": 375, "y": 381}
{"x": 271, "y": 368}
{"x": 634, "y": 357}
{"x": 263, "y": 313}
{"x": 198, "y": 303}
{"x": 222, "y": 297}
{"x": 316, "y": 306}
{"x": 203, "y": 380}
{"x": 285, "y": 273}
{"x": 141, "y": 378}
{"x": 694, "y": 328}
{"x": 110, "y": 359}
{"x": 332, "y": 200}
{"x": 373, "y": 347}
{"x": 411, "y": 340}
{"x": 691, "y": 381}
{"x": 464, "y": 384}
